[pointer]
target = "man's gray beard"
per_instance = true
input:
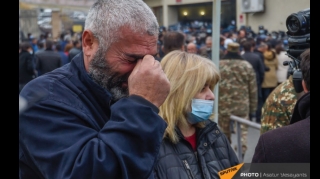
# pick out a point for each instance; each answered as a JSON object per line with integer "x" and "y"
{"x": 101, "y": 72}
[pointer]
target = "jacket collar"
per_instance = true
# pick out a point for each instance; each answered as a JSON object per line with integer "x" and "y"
{"x": 89, "y": 86}
{"x": 232, "y": 55}
{"x": 301, "y": 109}
{"x": 209, "y": 134}
{"x": 209, "y": 125}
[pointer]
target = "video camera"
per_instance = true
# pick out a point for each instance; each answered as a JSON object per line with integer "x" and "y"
{"x": 298, "y": 25}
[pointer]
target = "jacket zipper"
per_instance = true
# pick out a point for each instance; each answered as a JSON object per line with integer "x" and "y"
{"x": 196, "y": 155}
{"x": 188, "y": 169}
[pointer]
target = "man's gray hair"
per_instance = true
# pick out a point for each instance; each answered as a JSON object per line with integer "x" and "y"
{"x": 106, "y": 17}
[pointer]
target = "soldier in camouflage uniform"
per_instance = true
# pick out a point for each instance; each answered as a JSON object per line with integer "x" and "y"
{"x": 278, "y": 108}
{"x": 237, "y": 91}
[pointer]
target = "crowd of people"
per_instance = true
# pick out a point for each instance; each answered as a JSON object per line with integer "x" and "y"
{"x": 125, "y": 100}
{"x": 270, "y": 70}
{"x": 38, "y": 56}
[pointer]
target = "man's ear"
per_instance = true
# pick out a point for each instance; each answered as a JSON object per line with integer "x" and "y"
{"x": 304, "y": 86}
{"x": 88, "y": 40}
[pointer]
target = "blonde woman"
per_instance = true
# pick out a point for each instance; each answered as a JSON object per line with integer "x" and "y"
{"x": 193, "y": 146}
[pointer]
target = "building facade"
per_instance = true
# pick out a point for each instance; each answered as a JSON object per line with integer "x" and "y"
{"x": 170, "y": 12}
{"x": 272, "y": 17}
{"x": 82, "y": 5}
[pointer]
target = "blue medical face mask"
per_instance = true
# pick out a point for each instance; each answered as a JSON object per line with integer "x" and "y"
{"x": 201, "y": 110}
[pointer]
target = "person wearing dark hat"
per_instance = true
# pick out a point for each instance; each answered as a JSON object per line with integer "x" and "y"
{"x": 238, "y": 93}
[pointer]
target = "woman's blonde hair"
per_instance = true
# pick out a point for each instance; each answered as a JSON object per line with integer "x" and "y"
{"x": 188, "y": 73}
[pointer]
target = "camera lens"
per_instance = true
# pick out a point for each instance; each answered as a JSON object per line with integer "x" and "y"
{"x": 293, "y": 24}
{"x": 296, "y": 23}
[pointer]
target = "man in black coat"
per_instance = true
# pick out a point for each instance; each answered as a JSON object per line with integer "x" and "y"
{"x": 48, "y": 59}
{"x": 258, "y": 52}
{"x": 27, "y": 70}
{"x": 291, "y": 143}
{"x": 258, "y": 67}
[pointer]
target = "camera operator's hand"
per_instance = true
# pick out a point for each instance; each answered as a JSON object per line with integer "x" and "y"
{"x": 149, "y": 81}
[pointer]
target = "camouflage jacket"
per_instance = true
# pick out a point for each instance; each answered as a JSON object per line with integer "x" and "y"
{"x": 277, "y": 110}
{"x": 237, "y": 88}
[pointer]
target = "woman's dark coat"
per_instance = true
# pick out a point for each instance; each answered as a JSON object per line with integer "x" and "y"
{"x": 213, "y": 154}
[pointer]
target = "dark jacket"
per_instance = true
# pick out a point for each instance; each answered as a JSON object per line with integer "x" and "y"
{"x": 213, "y": 154}
{"x": 288, "y": 144}
{"x": 26, "y": 68}
{"x": 257, "y": 65}
{"x": 73, "y": 131}
{"x": 47, "y": 61}
{"x": 73, "y": 52}
{"x": 64, "y": 57}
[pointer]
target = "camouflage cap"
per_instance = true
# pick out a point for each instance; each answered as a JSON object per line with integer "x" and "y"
{"x": 233, "y": 47}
